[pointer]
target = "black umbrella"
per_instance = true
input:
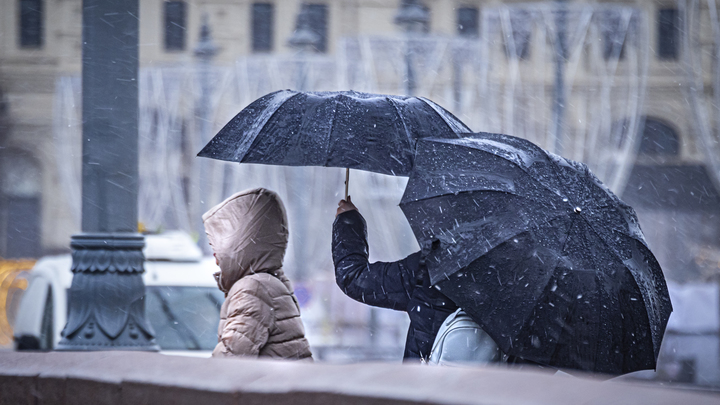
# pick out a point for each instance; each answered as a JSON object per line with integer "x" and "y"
{"x": 338, "y": 129}
{"x": 539, "y": 252}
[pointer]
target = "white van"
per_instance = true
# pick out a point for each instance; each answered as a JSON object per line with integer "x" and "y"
{"x": 182, "y": 301}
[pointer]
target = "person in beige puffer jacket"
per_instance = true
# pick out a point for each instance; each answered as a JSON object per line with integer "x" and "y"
{"x": 260, "y": 316}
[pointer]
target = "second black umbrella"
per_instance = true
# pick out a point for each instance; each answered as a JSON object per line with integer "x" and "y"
{"x": 539, "y": 252}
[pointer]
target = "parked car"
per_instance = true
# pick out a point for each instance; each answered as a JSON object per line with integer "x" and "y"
{"x": 182, "y": 301}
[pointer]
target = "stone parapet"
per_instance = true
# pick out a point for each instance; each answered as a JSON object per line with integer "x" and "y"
{"x": 117, "y": 378}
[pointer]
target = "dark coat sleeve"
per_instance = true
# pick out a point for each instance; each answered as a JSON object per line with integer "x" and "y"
{"x": 386, "y": 285}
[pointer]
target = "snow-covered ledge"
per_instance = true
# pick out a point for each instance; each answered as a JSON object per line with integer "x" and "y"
{"x": 150, "y": 378}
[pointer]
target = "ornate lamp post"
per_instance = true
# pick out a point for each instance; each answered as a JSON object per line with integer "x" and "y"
{"x": 558, "y": 111}
{"x": 205, "y": 51}
{"x": 106, "y": 300}
{"x": 412, "y": 18}
{"x": 306, "y": 41}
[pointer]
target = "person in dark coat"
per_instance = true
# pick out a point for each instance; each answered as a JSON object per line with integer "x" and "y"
{"x": 403, "y": 285}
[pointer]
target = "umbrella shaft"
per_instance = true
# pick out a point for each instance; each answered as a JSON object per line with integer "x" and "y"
{"x": 347, "y": 182}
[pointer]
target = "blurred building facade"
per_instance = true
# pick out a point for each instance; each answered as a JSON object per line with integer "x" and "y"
{"x": 626, "y": 86}
{"x": 41, "y": 43}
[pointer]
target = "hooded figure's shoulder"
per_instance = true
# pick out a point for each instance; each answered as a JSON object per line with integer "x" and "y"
{"x": 255, "y": 285}
{"x": 274, "y": 286}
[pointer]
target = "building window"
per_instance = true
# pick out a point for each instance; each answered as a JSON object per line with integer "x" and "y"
{"x": 31, "y": 23}
{"x": 262, "y": 27}
{"x": 668, "y": 34}
{"x": 318, "y": 16}
{"x": 658, "y": 139}
{"x": 175, "y": 20}
{"x": 468, "y": 21}
{"x": 426, "y": 23}
{"x": 20, "y": 205}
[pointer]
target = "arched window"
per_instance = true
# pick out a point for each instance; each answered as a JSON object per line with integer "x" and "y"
{"x": 20, "y": 188}
{"x": 658, "y": 139}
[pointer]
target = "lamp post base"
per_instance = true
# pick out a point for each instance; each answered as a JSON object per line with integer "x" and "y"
{"x": 106, "y": 300}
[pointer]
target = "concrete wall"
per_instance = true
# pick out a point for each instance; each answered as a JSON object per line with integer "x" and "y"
{"x": 151, "y": 378}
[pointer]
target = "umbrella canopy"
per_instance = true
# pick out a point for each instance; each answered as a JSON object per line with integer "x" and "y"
{"x": 338, "y": 129}
{"x": 539, "y": 252}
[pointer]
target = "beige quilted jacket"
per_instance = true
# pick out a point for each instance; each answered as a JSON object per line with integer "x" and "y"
{"x": 260, "y": 316}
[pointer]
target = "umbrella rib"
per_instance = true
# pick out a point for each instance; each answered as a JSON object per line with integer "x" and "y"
{"x": 615, "y": 199}
{"x": 536, "y": 181}
{"x": 424, "y": 198}
{"x": 268, "y": 120}
{"x": 589, "y": 183}
{"x": 609, "y": 247}
{"x": 587, "y": 180}
{"x": 571, "y": 307}
{"x": 407, "y": 132}
{"x": 617, "y": 256}
{"x": 556, "y": 171}
{"x": 329, "y": 136}
{"x": 430, "y": 104}
{"x": 567, "y": 236}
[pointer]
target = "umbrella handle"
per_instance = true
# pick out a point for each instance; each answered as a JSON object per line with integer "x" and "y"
{"x": 347, "y": 182}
